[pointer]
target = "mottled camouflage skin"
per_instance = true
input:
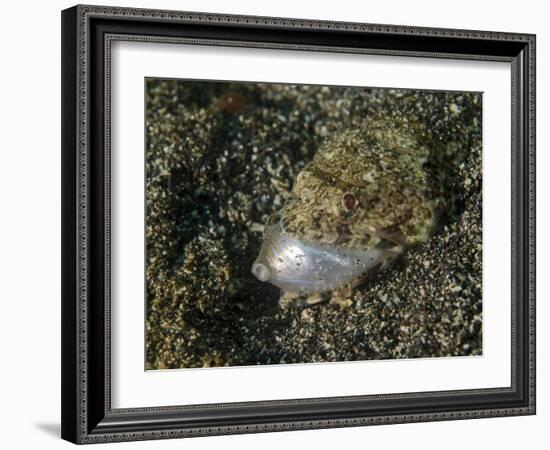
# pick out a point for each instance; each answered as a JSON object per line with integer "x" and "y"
{"x": 386, "y": 168}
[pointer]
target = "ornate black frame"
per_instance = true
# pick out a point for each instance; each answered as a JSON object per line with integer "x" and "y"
{"x": 87, "y": 32}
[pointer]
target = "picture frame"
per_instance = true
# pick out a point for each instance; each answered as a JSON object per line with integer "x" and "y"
{"x": 88, "y": 33}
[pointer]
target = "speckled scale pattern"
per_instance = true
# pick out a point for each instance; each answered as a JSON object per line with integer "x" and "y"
{"x": 381, "y": 164}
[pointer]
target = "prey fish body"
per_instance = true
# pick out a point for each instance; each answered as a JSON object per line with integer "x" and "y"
{"x": 308, "y": 268}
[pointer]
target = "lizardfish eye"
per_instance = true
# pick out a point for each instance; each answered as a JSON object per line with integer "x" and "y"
{"x": 349, "y": 201}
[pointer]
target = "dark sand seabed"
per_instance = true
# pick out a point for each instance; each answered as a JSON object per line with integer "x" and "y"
{"x": 222, "y": 157}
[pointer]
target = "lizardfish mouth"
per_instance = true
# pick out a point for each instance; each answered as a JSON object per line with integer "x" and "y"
{"x": 308, "y": 267}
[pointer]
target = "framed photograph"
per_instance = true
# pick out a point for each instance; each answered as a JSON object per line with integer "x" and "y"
{"x": 281, "y": 224}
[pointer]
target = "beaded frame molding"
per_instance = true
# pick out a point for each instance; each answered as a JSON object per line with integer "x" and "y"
{"x": 87, "y": 35}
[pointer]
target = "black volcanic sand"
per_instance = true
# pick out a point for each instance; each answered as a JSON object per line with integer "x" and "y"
{"x": 222, "y": 157}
